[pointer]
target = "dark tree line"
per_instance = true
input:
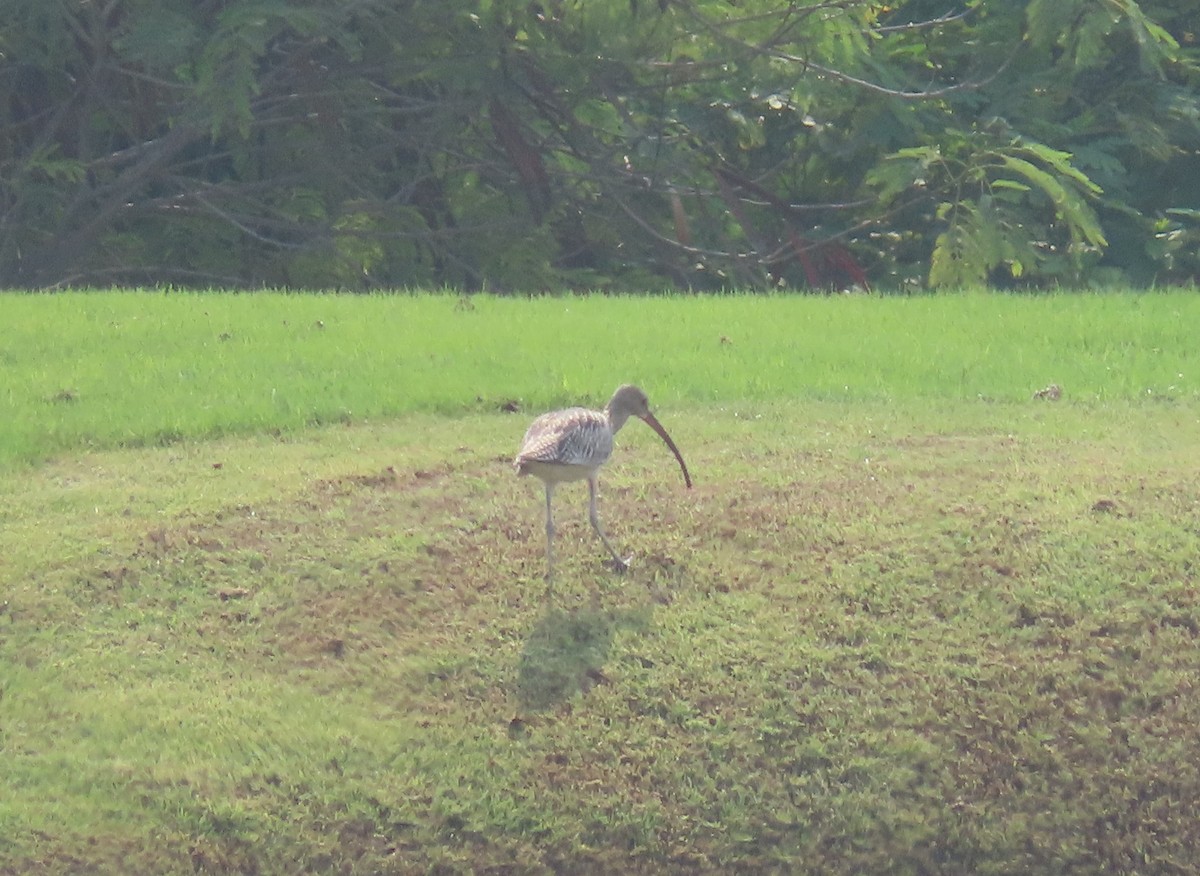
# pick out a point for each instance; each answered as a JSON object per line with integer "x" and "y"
{"x": 598, "y": 144}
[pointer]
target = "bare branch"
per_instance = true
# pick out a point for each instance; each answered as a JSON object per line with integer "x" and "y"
{"x": 661, "y": 238}
{"x": 946, "y": 18}
{"x": 766, "y": 49}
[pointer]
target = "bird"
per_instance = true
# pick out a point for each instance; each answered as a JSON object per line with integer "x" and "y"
{"x": 572, "y": 445}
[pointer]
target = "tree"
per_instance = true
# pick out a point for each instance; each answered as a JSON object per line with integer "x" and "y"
{"x": 543, "y": 144}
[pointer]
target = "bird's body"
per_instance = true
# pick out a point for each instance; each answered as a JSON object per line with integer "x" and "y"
{"x": 572, "y": 445}
{"x": 566, "y": 445}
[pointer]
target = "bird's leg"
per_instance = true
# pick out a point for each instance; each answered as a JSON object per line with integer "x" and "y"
{"x": 619, "y": 564}
{"x": 549, "y": 533}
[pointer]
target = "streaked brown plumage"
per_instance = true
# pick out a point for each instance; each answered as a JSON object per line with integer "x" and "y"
{"x": 572, "y": 445}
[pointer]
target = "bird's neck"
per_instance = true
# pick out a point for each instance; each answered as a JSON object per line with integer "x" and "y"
{"x": 616, "y": 418}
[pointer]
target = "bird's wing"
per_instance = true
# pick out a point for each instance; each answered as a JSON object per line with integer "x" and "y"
{"x": 575, "y": 436}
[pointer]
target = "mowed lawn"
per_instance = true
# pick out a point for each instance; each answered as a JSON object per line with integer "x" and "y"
{"x": 910, "y": 619}
{"x": 95, "y": 370}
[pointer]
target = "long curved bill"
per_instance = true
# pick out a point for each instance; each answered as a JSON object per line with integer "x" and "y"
{"x": 662, "y": 433}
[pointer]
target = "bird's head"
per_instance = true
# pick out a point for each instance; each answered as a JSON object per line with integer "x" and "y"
{"x": 629, "y": 401}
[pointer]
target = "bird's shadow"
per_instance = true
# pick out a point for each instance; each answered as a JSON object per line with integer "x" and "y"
{"x": 566, "y": 652}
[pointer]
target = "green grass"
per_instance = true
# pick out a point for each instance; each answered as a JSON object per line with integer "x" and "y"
{"x": 124, "y": 369}
{"x": 896, "y": 628}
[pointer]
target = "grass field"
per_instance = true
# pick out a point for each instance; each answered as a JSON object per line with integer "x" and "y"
{"x": 910, "y": 620}
{"x": 113, "y": 369}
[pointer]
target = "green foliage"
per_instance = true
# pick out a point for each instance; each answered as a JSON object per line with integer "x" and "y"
{"x": 519, "y": 146}
{"x": 970, "y": 249}
{"x": 1000, "y": 227}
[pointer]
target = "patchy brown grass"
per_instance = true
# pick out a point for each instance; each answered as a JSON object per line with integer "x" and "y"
{"x": 871, "y": 639}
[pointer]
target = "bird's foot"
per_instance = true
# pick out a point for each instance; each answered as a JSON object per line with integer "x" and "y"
{"x": 620, "y": 566}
